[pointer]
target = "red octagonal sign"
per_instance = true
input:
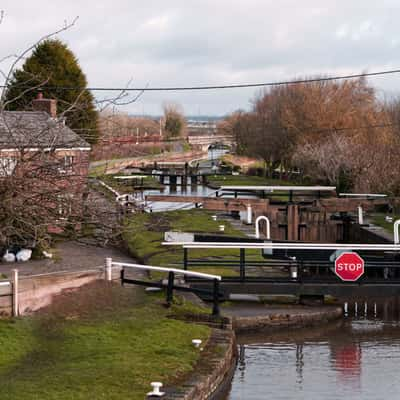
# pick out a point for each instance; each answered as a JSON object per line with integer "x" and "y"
{"x": 349, "y": 267}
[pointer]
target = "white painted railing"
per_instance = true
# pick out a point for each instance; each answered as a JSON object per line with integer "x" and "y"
{"x": 360, "y": 215}
{"x": 396, "y": 231}
{"x": 258, "y": 220}
{"x": 284, "y": 245}
{"x": 162, "y": 269}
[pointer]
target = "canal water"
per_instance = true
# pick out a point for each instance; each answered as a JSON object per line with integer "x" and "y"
{"x": 355, "y": 358}
{"x": 205, "y": 166}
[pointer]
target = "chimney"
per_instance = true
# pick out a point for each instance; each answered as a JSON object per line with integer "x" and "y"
{"x": 47, "y": 105}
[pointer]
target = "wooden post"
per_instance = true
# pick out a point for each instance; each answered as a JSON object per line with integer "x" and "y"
{"x": 122, "y": 276}
{"x": 215, "y": 310}
{"x": 108, "y": 269}
{"x": 170, "y": 288}
{"x": 15, "y": 297}
{"x": 242, "y": 265}
{"x": 185, "y": 259}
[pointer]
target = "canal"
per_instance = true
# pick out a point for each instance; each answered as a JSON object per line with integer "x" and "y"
{"x": 355, "y": 358}
{"x": 205, "y": 166}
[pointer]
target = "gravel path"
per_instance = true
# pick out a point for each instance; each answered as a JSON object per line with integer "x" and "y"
{"x": 71, "y": 256}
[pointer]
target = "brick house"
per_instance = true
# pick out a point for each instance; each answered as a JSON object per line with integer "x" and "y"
{"x": 37, "y": 145}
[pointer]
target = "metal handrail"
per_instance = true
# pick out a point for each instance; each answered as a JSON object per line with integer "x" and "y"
{"x": 396, "y": 231}
{"x": 174, "y": 270}
{"x": 171, "y": 277}
{"x": 283, "y": 245}
{"x": 266, "y": 219}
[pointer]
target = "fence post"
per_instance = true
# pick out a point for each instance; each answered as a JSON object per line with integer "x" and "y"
{"x": 122, "y": 275}
{"x": 185, "y": 259}
{"x": 300, "y": 267}
{"x": 15, "y": 298}
{"x": 108, "y": 270}
{"x": 242, "y": 265}
{"x": 170, "y": 288}
{"x": 215, "y": 310}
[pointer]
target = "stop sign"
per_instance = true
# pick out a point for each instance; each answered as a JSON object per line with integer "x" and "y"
{"x": 349, "y": 266}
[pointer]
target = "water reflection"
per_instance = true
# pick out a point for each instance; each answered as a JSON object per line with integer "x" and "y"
{"x": 349, "y": 359}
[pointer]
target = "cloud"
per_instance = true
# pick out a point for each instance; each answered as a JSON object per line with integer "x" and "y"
{"x": 178, "y": 43}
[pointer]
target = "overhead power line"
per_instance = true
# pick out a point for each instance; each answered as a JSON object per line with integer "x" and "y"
{"x": 217, "y": 87}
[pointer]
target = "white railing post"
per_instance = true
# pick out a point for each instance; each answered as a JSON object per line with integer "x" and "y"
{"x": 360, "y": 215}
{"x": 108, "y": 271}
{"x": 15, "y": 297}
{"x": 396, "y": 231}
{"x": 266, "y": 219}
{"x": 249, "y": 214}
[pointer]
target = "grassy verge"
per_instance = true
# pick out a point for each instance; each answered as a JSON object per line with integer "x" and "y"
{"x": 379, "y": 220}
{"x": 102, "y": 342}
{"x": 128, "y": 186}
{"x": 143, "y": 234}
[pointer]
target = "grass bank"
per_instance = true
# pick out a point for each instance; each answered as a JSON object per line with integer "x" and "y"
{"x": 143, "y": 234}
{"x": 379, "y": 219}
{"x": 102, "y": 342}
{"x": 128, "y": 186}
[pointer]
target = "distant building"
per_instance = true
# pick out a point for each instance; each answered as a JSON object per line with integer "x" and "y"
{"x": 39, "y": 136}
{"x": 205, "y": 127}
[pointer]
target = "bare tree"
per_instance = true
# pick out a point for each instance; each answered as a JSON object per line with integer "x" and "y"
{"x": 44, "y": 167}
{"x": 174, "y": 120}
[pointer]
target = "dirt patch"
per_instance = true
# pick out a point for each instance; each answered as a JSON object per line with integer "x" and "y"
{"x": 99, "y": 298}
{"x": 70, "y": 256}
{"x": 158, "y": 223}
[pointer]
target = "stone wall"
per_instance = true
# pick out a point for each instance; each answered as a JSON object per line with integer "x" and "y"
{"x": 37, "y": 291}
{"x": 216, "y": 366}
{"x": 313, "y": 316}
{"x": 5, "y": 298}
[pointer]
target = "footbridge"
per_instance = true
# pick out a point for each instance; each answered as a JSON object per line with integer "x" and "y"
{"x": 204, "y": 141}
{"x": 296, "y": 268}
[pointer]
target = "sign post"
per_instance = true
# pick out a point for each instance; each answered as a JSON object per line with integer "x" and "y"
{"x": 349, "y": 267}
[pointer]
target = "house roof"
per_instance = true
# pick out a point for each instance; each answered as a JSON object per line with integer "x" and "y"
{"x": 36, "y": 129}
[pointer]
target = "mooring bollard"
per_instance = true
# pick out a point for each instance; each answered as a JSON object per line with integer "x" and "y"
{"x": 197, "y": 342}
{"x": 156, "y": 390}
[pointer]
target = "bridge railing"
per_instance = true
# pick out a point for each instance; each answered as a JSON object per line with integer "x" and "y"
{"x": 382, "y": 266}
{"x": 171, "y": 286}
{"x": 294, "y": 270}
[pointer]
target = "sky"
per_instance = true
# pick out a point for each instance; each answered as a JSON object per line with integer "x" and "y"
{"x": 212, "y": 42}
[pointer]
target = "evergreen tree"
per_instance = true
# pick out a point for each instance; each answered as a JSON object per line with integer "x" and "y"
{"x": 52, "y": 66}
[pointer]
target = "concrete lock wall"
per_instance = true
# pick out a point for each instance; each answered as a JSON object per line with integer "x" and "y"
{"x": 37, "y": 291}
{"x": 5, "y": 298}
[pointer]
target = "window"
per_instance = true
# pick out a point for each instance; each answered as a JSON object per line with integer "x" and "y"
{"x": 64, "y": 205}
{"x": 67, "y": 165}
{"x": 7, "y": 165}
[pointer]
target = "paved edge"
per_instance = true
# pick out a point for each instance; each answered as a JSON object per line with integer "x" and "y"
{"x": 286, "y": 319}
{"x": 212, "y": 372}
